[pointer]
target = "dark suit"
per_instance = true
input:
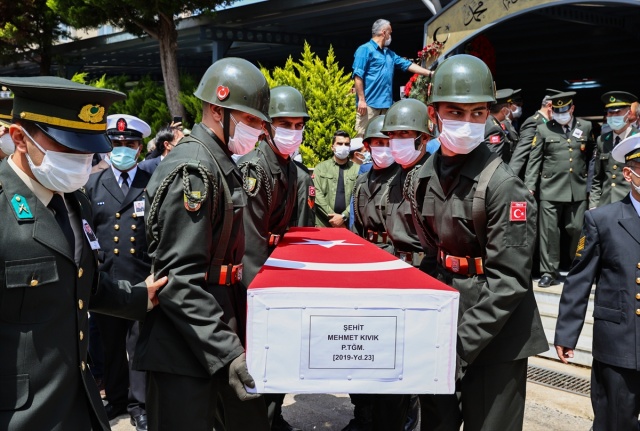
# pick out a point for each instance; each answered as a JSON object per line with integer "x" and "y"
{"x": 45, "y": 293}
{"x": 123, "y": 256}
{"x": 609, "y": 254}
{"x": 150, "y": 165}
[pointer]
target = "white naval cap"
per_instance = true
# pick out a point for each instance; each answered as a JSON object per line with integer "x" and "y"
{"x": 355, "y": 144}
{"x": 124, "y": 127}
{"x": 628, "y": 149}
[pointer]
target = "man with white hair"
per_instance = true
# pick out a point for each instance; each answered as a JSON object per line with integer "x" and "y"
{"x": 373, "y": 67}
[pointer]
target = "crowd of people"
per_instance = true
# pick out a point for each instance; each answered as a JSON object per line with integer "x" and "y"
{"x": 145, "y": 265}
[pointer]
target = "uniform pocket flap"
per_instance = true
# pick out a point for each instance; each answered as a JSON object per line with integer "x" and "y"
{"x": 604, "y": 156}
{"x": 31, "y": 272}
{"x": 608, "y": 314}
{"x": 552, "y": 140}
{"x": 14, "y": 391}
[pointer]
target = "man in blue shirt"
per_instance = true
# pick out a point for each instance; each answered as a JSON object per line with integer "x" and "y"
{"x": 373, "y": 67}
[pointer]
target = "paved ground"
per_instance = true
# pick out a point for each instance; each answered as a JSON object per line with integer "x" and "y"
{"x": 547, "y": 409}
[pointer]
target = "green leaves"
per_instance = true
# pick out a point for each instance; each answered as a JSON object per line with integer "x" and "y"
{"x": 326, "y": 88}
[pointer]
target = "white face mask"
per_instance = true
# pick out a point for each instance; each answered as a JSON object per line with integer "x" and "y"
{"x": 404, "y": 150}
{"x": 382, "y": 156}
{"x": 633, "y": 185}
{"x": 287, "y": 141}
{"x": 342, "y": 151}
{"x": 517, "y": 113}
{"x": 563, "y": 118}
{"x": 6, "y": 144}
{"x": 460, "y": 137}
{"x": 244, "y": 138}
{"x": 61, "y": 172}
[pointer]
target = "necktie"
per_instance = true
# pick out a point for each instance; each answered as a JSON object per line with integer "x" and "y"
{"x": 62, "y": 217}
{"x": 125, "y": 183}
{"x": 567, "y": 129}
{"x": 617, "y": 140}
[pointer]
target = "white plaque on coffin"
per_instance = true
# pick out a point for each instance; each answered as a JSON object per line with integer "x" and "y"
{"x": 332, "y": 313}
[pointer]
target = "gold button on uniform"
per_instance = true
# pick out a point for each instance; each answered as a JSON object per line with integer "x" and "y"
{"x": 133, "y": 239}
{"x": 571, "y": 159}
{"x": 117, "y": 215}
{"x": 638, "y": 311}
{"x": 133, "y": 227}
{"x": 638, "y": 265}
{"x": 134, "y": 215}
{"x": 82, "y": 365}
{"x": 133, "y": 251}
{"x": 638, "y": 280}
{"x": 613, "y": 184}
{"x": 570, "y": 149}
{"x": 613, "y": 176}
{"x": 116, "y": 239}
{"x": 34, "y": 283}
{"x": 638, "y": 296}
{"x": 80, "y": 272}
{"x": 570, "y": 169}
{"x": 117, "y": 227}
{"x": 116, "y": 251}
{"x": 81, "y": 335}
{"x": 80, "y": 304}
{"x": 615, "y": 166}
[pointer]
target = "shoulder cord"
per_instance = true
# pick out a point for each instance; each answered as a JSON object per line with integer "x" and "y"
{"x": 262, "y": 177}
{"x": 409, "y": 192}
{"x": 356, "y": 202}
{"x": 207, "y": 178}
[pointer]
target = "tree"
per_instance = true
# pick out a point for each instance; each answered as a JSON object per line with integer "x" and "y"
{"x": 156, "y": 19}
{"x": 28, "y": 29}
{"x": 327, "y": 90}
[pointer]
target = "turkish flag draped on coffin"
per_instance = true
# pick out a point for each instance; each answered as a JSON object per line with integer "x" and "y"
{"x": 330, "y": 312}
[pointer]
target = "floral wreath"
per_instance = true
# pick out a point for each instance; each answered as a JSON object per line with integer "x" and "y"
{"x": 417, "y": 86}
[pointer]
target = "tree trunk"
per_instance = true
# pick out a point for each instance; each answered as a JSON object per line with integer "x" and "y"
{"x": 168, "y": 40}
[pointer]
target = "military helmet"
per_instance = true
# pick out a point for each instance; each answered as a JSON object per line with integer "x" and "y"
{"x": 287, "y": 102}
{"x": 464, "y": 79}
{"x": 406, "y": 114}
{"x": 235, "y": 83}
{"x": 374, "y": 128}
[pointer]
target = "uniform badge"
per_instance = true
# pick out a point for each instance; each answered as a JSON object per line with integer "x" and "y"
{"x": 192, "y": 206}
{"x": 455, "y": 264}
{"x": 250, "y": 184}
{"x": 503, "y": 127}
{"x": 518, "y": 211}
{"x": 577, "y": 133}
{"x": 21, "y": 207}
{"x": 580, "y": 247}
{"x": 533, "y": 143}
{"x": 222, "y": 92}
{"x": 312, "y": 191}
{"x": 121, "y": 125}
{"x": 310, "y": 202}
{"x": 91, "y": 113}
{"x": 494, "y": 139}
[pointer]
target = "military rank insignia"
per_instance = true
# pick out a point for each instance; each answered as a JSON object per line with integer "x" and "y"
{"x": 518, "y": 211}
{"x": 494, "y": 139}
{"x": 190, "y": 203}
{"x": 91, "y": 113}
{"x": 533, "y": 143}
{"x": 580, "y": 247}
{"x": 250, "y": 184}
{"x": 21, "y": 207}
{"x": 312, "y": 191}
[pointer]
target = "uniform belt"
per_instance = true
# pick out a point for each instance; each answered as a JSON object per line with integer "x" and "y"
{"x": 376, "y": 237}
{"x": 411, "y": 257}
{"x": 273, "y": 240}
{"x": 226, "y": 275}
{"x": 461, "y": 265}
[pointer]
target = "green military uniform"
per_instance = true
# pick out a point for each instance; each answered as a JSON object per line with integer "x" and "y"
{"x": 557, "y": 169}
{"x": 608, "y": 184}
{"x": 271, "y": 183}
{"x": 497, "y": 138}
{"x": 48, "y": 282}
{"x": 195, "y": 232}
{"x": 520, "y": 156}
{"x": 512, "y": 135}
{"x": 477, "y": 223}
{"x": 305, "y": 215}
{"x": 371, "y": 195}
{"x": 325, "y": 180}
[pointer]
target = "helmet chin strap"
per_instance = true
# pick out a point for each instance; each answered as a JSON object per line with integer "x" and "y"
{"x": 226, "y": 121}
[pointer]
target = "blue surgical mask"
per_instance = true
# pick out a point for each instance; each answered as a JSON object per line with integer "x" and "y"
{"x": 124, "y": 158}
{"x": 617, "y": 122}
